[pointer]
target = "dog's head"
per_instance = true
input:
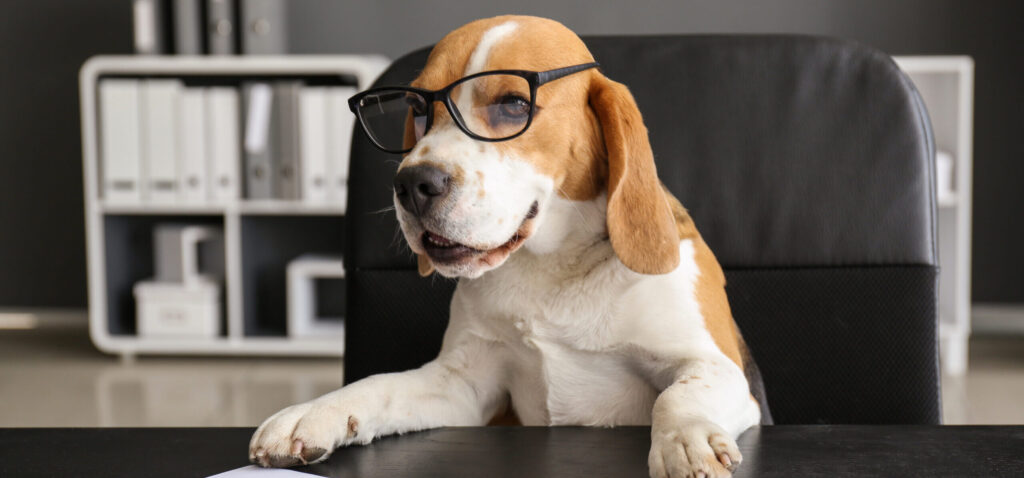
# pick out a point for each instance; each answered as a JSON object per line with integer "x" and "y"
{"x": 465, "y": 205}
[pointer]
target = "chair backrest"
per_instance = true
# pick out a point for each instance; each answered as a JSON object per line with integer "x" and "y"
{"x": 807, "y": 166}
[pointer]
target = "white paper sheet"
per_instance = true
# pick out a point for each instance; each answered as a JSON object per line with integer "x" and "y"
{"x": 253, "y": 471}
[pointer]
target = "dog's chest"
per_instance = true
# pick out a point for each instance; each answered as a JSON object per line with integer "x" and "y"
{"x": 565, "y": 351}
{"x": 552, "y": 384}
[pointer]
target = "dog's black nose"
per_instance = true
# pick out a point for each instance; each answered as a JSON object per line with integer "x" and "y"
{"x": 419, "y": 187}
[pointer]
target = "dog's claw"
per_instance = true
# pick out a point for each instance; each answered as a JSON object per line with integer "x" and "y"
{"x": 312, "y": 454}
{"x": 258, "y": 456}
{"x": 278, "y": 461}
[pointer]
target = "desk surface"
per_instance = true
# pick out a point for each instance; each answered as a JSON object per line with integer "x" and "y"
{"x": 783, "y": 451}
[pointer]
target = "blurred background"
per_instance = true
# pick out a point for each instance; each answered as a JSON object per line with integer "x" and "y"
{"x": 52, "y": 374}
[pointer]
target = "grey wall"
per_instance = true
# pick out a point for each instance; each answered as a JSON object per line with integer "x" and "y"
{"x": 990, "y": 31}
{"x": 43, "y": 42}
{"x": 42, "y": 231}
{"x": 396, "y": 26}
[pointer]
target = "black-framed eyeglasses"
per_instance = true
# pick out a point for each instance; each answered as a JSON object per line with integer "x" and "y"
{"x": 490, "y": 106}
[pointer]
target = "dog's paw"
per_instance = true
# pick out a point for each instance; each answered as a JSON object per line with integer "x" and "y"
{"x": 303, "y": 434}
{"x": 693, "y": 449}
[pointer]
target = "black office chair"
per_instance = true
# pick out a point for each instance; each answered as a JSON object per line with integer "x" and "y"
{"x": 807, "y": 166}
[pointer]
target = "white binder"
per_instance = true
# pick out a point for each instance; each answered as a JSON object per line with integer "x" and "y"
{"x": 223, "y": 143}
{"x": 119, "y": 141}
{"x": 339, "y": 135}
{"x": 192, "y": 150}
{"x": 313, "y": 144}
{"x": 160, "y": 140}
{"x": 148, "y": 23}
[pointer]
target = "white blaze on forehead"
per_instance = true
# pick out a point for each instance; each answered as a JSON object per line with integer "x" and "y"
{"x": 478, "y": 60}
{"x": 477, "y": 63}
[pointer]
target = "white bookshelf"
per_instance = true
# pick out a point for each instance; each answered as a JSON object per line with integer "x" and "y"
{"x": 252, "y": 229}
{"x": 946, "y": 84}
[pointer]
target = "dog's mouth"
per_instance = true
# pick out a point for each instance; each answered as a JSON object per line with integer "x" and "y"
{"x": 444, "y": 251}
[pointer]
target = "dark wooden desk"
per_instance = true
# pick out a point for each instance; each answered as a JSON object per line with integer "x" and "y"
{"x": 783, "y": 451}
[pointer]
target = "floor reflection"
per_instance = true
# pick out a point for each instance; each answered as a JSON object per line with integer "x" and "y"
{"x": 206, "y": 393}
{"x": 51, "y": 376}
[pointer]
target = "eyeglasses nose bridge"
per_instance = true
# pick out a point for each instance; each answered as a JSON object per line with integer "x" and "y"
{"x": 443, "y": 97}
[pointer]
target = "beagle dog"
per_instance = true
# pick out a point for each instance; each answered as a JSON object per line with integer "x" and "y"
{"x": 586, "y": 296}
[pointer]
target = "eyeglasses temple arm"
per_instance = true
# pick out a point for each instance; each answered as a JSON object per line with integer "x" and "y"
{"x": 552, "y": 75}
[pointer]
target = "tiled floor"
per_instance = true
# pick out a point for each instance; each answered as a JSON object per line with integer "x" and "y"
{"x": 52, "y": 376}
{"x": 992, "y": 392}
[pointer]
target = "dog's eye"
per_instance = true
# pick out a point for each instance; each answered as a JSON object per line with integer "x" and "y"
{"x": 514, "y": 107}
{"x": 417, "y": 105}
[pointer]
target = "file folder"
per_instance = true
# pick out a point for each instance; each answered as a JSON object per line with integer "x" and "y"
{"x": 160, "y": 140}
{"x": 120, "y": 150}
{"x": 223, "y": 143}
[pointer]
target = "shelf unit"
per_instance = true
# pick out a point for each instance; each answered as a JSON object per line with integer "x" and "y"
{"x": 260, "y": 237}
{"x": 946, "y": 84}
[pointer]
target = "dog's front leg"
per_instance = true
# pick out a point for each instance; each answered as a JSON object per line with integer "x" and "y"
{"x": 457, "y": 388}
{"x": 697, "y": 418}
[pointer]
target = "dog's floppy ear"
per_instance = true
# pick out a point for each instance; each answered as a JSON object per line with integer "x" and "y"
{"x": 424, "y": 265}
{"x": 640, "y": 223}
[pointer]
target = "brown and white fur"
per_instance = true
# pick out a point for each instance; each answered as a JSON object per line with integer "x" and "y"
{"x": 601, "y": 307}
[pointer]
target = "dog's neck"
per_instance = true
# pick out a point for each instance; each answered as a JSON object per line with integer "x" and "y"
{"x": 571, "y": 239}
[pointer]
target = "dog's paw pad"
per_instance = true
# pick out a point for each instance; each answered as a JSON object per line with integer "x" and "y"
{"x": 693, "y": 449}
{"x": 301, "y": 434}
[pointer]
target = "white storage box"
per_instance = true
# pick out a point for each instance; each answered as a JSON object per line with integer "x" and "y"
{"x": 169, "y": 309}
{"x": 177, "y": 251}
{"x": 302, "y": 274}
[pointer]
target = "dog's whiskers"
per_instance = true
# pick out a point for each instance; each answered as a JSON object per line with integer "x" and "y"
{"x": 397, "y": 242}
{"x": 383, "y": 210}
